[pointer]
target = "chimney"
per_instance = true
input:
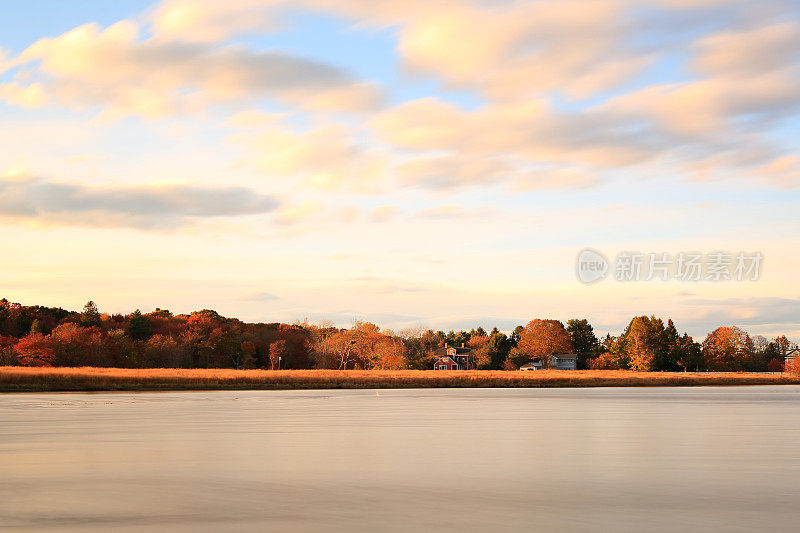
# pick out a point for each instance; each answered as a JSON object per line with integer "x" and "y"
{"x": 462, "y": 344}
{"x": 445, "y": 345}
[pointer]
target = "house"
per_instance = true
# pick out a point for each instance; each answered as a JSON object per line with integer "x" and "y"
{"x": 445, "y": 363}
{"x": 792, "y": 361}
{"x": 452, "y": 358}
{"x": 568, "y": 361}
{"x": 557, "y": 362}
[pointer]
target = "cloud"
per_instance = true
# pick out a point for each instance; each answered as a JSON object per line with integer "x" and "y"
{"x": 748, "y": 52}
{"x": 529, "y": 144}
{"x": 452, "y": 171}
{"x": 292, "y": 214}
{"x": 444, "y": 212}
{"x": 378, "y": 285}
{"x": 326, "y": 157}
{"x": 383, "y": 213}
{"x": 765, "y": 313}
{"x": 27, "y": 96}
{"x": 502, "y": 48}
{"x": 210, "y": 20}
{"x": 116, "y": 70}
{"x": 562, "y": 96}
{"x": 152, "y": 207}
{"x": 555, "y": 179}
{"x": 467, "y": 323}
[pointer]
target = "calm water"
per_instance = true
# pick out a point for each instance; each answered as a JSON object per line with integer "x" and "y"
{"x": 655, "y": 459}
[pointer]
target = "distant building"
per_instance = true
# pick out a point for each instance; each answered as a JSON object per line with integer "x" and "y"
{"x": 792, "y": 361}
{"x": 533, "y": 365}
{"x": 445, "y": 363}
{"x": 564, "y": 361}
{"x": 567, "y": 361}
{"x": 452, "y": 358}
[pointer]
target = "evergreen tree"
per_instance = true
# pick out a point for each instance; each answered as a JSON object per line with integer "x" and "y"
{"x": 90, "y": 315}
{"x": 583, "y": 340}
{"x": 138, "y": 327}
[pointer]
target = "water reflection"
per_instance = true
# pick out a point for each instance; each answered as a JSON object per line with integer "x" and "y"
{"x": 655, "y": 459}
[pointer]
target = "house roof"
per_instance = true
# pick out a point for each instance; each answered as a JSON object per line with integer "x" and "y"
{"x": 564, "y": 356}
{"x": 459, "y": 350}
{"x": 446, "y": 360}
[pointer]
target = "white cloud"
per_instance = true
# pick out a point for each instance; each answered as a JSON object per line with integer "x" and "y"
{"x": 115, "y": 69}
{"x": 327, "y": 157}
{"x": 749, "y": 52}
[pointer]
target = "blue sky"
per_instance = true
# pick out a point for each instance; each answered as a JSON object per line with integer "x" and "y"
{"x": 416, "y": 164}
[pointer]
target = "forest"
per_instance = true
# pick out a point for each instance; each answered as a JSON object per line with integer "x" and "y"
{"x": 51, "y": 336}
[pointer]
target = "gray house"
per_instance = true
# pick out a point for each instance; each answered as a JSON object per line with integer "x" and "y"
{"x": 564, "y": 361}
{"x": 567, "y": 361}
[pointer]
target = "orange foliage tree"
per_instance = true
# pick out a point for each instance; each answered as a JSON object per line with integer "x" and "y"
{"x": 542, "y": 338}
{"x": 726, "y": 349}
{"x": 277, "y": 351}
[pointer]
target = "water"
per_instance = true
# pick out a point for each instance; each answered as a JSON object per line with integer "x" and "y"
{"x": 639, "y": 459}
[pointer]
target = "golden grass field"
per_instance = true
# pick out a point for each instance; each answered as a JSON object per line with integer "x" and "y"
{"x": 37, "y": 379}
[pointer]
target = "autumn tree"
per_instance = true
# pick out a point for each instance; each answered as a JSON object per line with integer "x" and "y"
{"x": 725, "y": 349}
{"x": 75, "y": 345}
{"x": 642, "y": 343}
{"x": 35, "y": 350}
{"x": 775, "y": 365}
{"x": 542, "y": 338}
{"x": 8, "y": 355}
{"x": 421, "y": 345}
{"x": 276, "y": 353}
{"x": 491, "y": 352}
{"x": 320, "y": 339}
{"x": 613, "y": 355}
{"x": 515, "y": 335}
{"x": 166, "y": 351}
{"x": 248, "y": 355}
{"x": 388, "y": 353}
{"x": 479, "y": 355}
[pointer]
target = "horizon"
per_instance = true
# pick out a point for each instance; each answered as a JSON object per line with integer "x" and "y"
{"x": 305, "y": 322}
{"x": 433, "y": 164}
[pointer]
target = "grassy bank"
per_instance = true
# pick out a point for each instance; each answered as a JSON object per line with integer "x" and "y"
{"x": 27, "y": 379}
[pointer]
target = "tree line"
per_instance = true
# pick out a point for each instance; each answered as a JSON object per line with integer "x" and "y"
{"x": 48, "y": 336}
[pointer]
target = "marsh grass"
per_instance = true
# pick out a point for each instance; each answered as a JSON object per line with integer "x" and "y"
{"x": 30, "y": 379}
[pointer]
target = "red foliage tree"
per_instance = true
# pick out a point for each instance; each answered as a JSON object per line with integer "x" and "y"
{"x": 35, "y": 350}
{"x": 775, "y": 365}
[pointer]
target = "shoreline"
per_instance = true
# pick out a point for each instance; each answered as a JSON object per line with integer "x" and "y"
{"x": 91, "y": 379}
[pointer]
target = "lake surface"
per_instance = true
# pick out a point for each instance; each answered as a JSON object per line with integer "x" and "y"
{"x": 612, "y": 459}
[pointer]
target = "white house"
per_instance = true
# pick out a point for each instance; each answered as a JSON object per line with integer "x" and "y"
{"x": 568, "y": 361}
{"x": 564, "y": 361}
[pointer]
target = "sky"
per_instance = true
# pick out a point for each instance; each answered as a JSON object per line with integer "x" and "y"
{"x": 415, "y": 164}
